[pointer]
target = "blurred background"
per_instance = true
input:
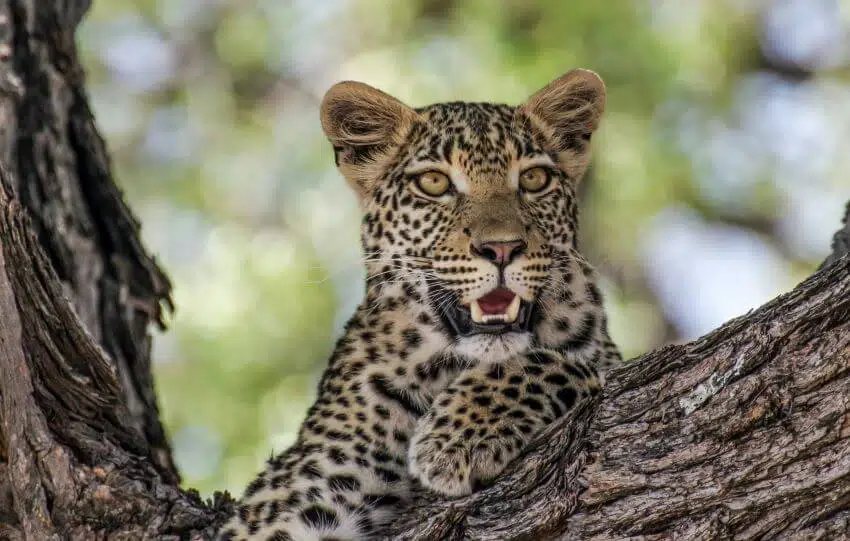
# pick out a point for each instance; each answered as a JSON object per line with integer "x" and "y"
{"x": 720, "y": 174}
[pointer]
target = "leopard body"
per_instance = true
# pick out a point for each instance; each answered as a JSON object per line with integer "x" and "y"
{"x": 415, "y": 394}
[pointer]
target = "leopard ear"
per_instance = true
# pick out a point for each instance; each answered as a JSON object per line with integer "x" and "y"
{"x": 364, "y": 125}
{"x": 567, "y": 111}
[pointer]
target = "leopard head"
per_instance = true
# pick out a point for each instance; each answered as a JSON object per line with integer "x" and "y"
{"x": 472, "y": 204}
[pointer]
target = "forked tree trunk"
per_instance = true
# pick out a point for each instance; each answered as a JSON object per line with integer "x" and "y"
{"x": 743, "y": 433}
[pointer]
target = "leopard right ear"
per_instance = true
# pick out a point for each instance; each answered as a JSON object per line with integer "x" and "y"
{"x": 364, "y": 125}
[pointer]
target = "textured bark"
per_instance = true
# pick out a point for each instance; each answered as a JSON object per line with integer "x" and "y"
{"x": 742, "y": 433}
{"x": 82, "y": 452}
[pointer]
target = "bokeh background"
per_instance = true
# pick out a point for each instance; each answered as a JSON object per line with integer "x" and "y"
{"x": 720, "y": 174}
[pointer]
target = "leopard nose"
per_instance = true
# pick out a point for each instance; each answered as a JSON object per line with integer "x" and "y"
{"x": 499, "y": 252}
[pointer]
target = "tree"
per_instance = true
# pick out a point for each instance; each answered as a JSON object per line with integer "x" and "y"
{"x": 743, "y": 432}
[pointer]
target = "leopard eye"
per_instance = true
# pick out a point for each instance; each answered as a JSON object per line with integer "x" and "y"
{"x": 535, "y": 179}
{"x": 433, "y": 183}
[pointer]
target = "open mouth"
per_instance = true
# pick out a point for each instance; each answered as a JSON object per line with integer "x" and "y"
{"x": 499, "y": 311}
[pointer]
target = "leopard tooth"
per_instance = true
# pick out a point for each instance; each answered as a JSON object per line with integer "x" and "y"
{"x": 510, "y": 315}
{"x": 513, "y": 310}
{"x": 476, "y": 312}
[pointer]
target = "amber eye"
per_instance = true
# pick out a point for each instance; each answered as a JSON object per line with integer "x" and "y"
{"x": 433, "y": 183}
{"x": 534, "y": 180}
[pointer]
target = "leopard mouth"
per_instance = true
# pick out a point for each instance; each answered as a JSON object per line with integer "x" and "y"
{"x": 498, "y": 312}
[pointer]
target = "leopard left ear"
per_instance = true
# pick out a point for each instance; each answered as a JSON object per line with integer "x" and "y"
{"x": 364, "y": 125}
{"x": 568, "y": 111}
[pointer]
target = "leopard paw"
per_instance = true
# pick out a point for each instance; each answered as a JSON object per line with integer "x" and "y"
{"x": 439, "y": 464}
{"x": 458, "y": 463}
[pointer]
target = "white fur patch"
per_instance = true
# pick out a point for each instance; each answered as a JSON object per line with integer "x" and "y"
{"x": 493, "y": 348}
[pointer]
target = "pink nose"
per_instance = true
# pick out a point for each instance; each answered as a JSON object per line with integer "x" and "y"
{"x": 499, "y": 252}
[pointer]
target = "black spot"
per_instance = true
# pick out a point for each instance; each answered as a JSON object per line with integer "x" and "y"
{"x": 575, "y": 371}
{"x": 343, "y": 483}
{"x": 540, "y": 357}
{"x": 556, "y": 379}
{"x": 496, "y": 372}
{"x": 533, "y": 388}
{"x": 498, "y": 410}
{"x": 337, "y": 456}
{"x": 382, "y": 411}
{"x": 593, "y": 294}
{"x": 311, "y": 470}
{"x": 556, "y": 409}
{"x": 532, "y": 403}
{"x": 319, "y": 517}
{"x": 280, "y": 535}
{"x": 411, "y": 337}
{"x": 294, "y": 500}
{"x": 386, "y": 475}
{"x": 313, "y": 494}
{"x": 381, "y": 455}
{"x": 337, "y": 435}
{"x": 382, "y": 387}
{"x": 482, "y": 400}
{"x": 379, "y": 430}
{"x": 274, "y": 512}
{"x": 567, "y": 396}
{"x": 511, "y": 392}
{"x": 255, "y": 486}
{"x": 380, "y": 500}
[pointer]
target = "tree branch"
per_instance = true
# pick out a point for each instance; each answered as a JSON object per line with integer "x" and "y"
{"x": 60, "y": 174}
{"x": 75, "y": 462}
{"x": 742, "y": 433}
{"x": 82, "y": 451}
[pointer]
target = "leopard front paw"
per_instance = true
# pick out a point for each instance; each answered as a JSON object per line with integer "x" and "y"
{"x": 439, "y": 464}
{"x": 456, "y": 464}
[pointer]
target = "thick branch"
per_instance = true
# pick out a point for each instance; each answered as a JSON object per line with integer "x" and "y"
{"x": 82, "y": 450}
{"x": 60, "y": 174}
{"x": 64, "y": 422}
{"x": 743, "y": 433}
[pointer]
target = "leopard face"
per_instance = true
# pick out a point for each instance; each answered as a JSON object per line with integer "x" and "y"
{"x": 470, "y": 205}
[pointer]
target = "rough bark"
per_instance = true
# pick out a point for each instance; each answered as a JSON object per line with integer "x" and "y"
{"x": 743, "y": 433}
{"x": 82, "y": 452}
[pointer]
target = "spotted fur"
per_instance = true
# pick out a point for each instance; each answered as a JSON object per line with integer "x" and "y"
{"x": 406, "y": 400}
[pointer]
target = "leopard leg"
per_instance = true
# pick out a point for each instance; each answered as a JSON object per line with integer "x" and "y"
{"x": 489, "y": 414}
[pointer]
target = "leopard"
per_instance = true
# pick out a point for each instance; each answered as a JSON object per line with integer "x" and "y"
{"x": 480, "y": 324}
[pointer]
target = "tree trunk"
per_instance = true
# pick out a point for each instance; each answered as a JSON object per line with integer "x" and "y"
{"x": 82, "y": 452}
{"x": 743, "y": 433}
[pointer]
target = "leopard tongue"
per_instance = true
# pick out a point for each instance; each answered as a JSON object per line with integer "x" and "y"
{"x": 499, "y": 306}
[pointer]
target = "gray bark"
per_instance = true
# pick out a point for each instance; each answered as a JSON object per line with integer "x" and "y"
{"x": 82, "y": 451}
{"x": 743, "y": 433}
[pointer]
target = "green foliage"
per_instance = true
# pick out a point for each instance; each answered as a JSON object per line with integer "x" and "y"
{"x": 210, "y": 110}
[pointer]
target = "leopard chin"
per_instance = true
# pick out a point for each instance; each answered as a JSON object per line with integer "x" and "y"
{"x": 493, "y": 348}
